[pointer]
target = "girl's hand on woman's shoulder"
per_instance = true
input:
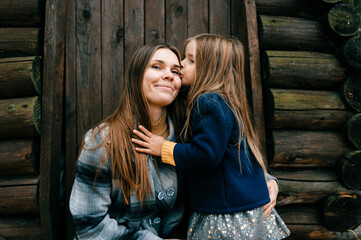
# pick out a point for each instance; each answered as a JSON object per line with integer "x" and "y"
{"x": 151, "y": 143}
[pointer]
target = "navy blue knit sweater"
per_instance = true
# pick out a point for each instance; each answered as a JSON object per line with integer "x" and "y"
{"x": 210, "y": 160}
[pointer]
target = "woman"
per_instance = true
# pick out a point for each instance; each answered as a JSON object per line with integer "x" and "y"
{"x": 119, "y": 193}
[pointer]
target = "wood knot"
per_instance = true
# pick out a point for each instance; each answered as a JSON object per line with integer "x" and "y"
{"x": 178, "y": 11}
{"x": 350, "y": 95}
{"x": 86, "y": 14}
{"x": 119, "y": 35}
{"x": 154, "y": 34}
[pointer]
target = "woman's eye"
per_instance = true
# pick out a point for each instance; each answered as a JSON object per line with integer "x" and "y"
{"x": 156, "y": 67}
{"x": 176, "y": 72}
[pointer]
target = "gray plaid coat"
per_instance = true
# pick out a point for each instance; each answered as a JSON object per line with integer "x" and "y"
{"x": 100, "y": 212}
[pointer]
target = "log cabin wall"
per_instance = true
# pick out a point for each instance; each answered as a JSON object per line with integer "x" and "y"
{"x": 312, "y": 88}
{"x": 21, "y": 29}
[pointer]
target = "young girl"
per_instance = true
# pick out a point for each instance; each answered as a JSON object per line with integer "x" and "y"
{"x": 225, "y": 171}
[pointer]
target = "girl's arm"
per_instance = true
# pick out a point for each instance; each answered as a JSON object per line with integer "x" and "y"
{"x": 211, "y": 125}
{"x": 90, "y": 202}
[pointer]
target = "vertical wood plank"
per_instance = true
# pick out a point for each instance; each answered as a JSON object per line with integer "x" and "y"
{"x": 248, "y": 32}
{"x": 236, "y": 18}
{"x": 197, "y": 17}
{"x": 154, "y": 20}
{"x": 50, "y": 148}
{"x": 88, "y": 47}
{"x": 219, "y": 16}
{"x": 71, "y": 144}
{"x": 133, "y": 27}
{"x": 112, "y": 53}
{"x": 176, "y": 22}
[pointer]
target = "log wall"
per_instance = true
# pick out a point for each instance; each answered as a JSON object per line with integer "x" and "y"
{"x": 311, "y": 103}
{"x": 21, "y": 43}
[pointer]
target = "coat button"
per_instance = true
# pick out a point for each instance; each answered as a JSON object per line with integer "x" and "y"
{"x": 156, "y": 220}
{"x": 161, "y": 195}
{"x": 170, "y": 192}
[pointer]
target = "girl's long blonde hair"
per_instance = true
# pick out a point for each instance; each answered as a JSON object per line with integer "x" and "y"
{"x": 130, "y": 168}
{"x": 220, "y": 69}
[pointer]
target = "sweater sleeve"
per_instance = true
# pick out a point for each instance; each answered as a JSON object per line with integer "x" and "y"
{"x": 167, "y": 152}
{"x": 90, "y": 202}
{"x": 211, "y": 127}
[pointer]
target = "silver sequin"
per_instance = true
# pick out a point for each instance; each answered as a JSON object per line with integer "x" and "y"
{"x": 250, "y": 224}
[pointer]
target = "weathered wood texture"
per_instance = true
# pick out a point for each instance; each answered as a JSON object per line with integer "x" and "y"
{"x": 25, "y": 227}
{"x": 288, "y": 33}
{"x": 52, "y": 116}
{"x": 305, "y": 222}
{"x": 302, "y": 70}
{"x": 352, "y": 52}
{"x": 344, "y": 19}
{"x": 301, "y": 192}
{"x": 342, "y": 211}
{"x": 352, "y": 130}
{"x": 20, "y": 13}
{"x": 349, "y": 169}
{"x": 20, "y": 156}
{"x": 20, "y": 77}
{"x": 20, "y": 42}
{"x": 320, "y": 232}
{"x": 20, "y": 117}
{"x": 351, "y": 92}
{"x": 18, "y": 195}
{"x": 297, "y": 148}
{"x": 290, "y": 8}
{"x": 305, "y": 109}
{"x": 249, "y": 37}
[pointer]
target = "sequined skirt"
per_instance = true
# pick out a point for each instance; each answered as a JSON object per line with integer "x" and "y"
{"x": 249, "y": 224}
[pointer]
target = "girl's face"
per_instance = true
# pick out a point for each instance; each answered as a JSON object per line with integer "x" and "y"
{"x": 189, "y": 66}
{"x": 161, "y": 82}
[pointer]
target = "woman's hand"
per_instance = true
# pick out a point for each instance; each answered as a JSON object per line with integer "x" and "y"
{"x": 273, "y": 192}
{"x": 152, "y": 143}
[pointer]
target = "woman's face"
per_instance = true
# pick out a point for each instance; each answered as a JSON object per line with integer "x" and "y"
{"x": 188, "y": 64}
{"x": 161, "y": 82}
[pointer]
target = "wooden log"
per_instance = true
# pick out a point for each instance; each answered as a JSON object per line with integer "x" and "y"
{"x": 305, "y": 109}
{"x": 307, "y": 192}
{"x": 302, "y": 70}
{"x": 303, "y": 214}
{"x": 290, "y": 8}
{"x": 19, "y": 195}
{"x": 25, "y": 13}
{"x": 320, "y": 232}
{"x": 352, "y": 130}
{"x": 288, "y": 33}
{"x": 331, "y": 1}
{"x": 351, "y": 92}
{"x": 20, "y": 117}
{"x": 352, "y": 52}
{"x": 16, "y": 42}
{"x": 344, "y": 19}
{"x": 20, "y": 77}
{"x": 20, "y": 156}
{"x": 308, "y": 175}
{"x": 20, "y": 227}
{"x": 349, "y": 169}
{"x": 342, "y": 211}
{"x": 308, "y": 148}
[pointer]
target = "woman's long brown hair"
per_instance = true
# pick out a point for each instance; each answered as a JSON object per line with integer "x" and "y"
{"x": 130, "y": 168}
{"x": 220, "y": 69}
